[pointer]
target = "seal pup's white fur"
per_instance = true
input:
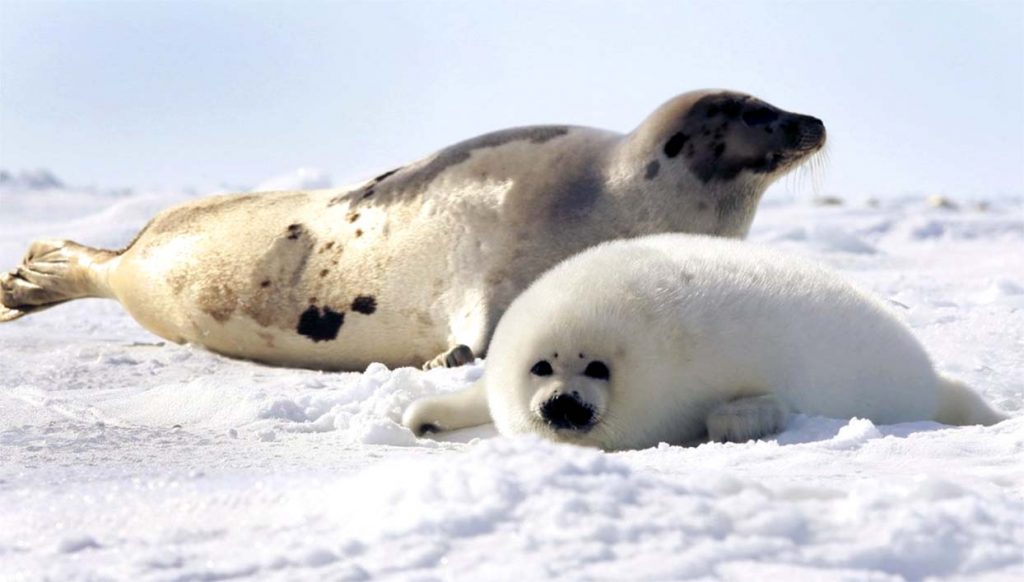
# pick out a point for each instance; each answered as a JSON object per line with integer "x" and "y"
{"x": 677, "y": 338}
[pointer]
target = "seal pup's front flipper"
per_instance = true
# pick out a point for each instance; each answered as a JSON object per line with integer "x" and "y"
{"x": 447, "y": 412}
{"x": 747, "y": 418}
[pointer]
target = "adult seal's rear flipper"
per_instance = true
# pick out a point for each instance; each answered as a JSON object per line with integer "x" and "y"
{"x": 10, "y": 314}
{"x": 7, "y": 314}
{"x": 53, "y": 272}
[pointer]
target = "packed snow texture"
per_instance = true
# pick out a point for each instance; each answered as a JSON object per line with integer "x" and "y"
{"x": 123, "y": 457}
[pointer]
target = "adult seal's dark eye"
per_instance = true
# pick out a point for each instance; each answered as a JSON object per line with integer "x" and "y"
{"x": 542, "y": 368}
{"x": 597, "y": 370}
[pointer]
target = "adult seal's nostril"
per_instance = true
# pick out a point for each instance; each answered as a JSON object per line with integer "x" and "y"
{"x": 812, "y": 132}
{"x": 567, "y": 412}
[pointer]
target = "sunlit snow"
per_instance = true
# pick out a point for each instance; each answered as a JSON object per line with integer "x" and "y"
{"x": 125, "y": 457}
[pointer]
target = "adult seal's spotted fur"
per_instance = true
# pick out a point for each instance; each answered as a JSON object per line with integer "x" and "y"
{"x": 678, "y": 338}
{"x": 424, "y": 259}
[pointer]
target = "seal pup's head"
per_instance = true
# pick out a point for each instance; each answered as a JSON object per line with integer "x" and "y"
{"x": 563, "y": 396}
{"x": 573, "y": 400}
{"x": 593, "y": 353}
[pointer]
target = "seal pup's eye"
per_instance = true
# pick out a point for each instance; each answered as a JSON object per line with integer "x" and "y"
{"x": 597, "y": 370}
{"x": 542, "y": 368}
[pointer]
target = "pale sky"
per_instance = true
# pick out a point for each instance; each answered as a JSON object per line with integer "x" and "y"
{"x": 918, "y": 97}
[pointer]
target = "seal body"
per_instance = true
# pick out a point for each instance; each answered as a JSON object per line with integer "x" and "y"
{"x": 677, "y": 338}
{"x": 428, "y": 256}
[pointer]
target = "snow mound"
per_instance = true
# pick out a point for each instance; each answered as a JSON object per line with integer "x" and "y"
{"x": 38, "y": 179}
{"x": 962, "y": 227}
{"x": 299, "y": 179}
{"x": 592, "y": 515}
{"x": 1003, "y": 290}
{"x": 825, "y": 238}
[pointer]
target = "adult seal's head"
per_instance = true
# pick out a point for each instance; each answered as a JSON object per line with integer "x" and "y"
{"x": 719, "y": 136}
{"x": 720, "y": 150}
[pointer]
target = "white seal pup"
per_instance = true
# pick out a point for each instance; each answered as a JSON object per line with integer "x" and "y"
{"x": 678, "y": 338}
{"x": 424, "y": 259}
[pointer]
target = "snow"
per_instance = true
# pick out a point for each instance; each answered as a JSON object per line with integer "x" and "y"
{"x": 300, "y": 179}
{"x": 38, "y": 179}
{"x": 122, "y": 457}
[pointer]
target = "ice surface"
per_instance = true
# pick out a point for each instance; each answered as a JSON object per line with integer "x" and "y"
{"x": 124, "y": 458}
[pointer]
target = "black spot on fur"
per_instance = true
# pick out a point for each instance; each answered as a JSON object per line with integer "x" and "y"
{"x": 759, "y": 116}
{"x": 295, "y": 231}
{"x": 791, "y": 129}
{"x": 352, "y": 216}
{"x": 675, "y": 144}
{"x": 769, "y": 163}
{"x": 731, "y": 109}
{"x": 652, "y": 169}
{"x": 794, "y": 136}
{"x": 365, "y": 304}
{"x": 367, "y": 192}
{"x": 265, "y": 283}
{"x": 359, "y": 232}
{"x": 320, "y": 324}
{"x": 384, "y": 176}
{"x": 324, "y": 272}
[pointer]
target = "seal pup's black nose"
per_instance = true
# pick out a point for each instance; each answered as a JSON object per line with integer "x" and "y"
{"x": 564, "y": 411}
